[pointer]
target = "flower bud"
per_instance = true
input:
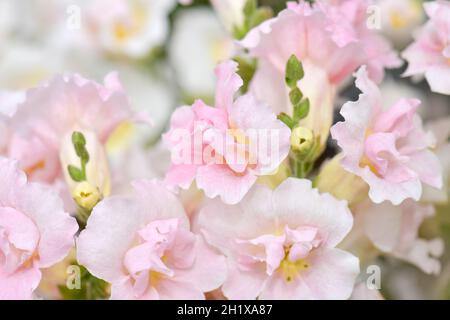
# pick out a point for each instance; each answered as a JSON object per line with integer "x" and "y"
{"x": 86, "y": 195}
{"x": 86, "y": 168}
{"x": 302, "y": 140}
{"x": 316, "y": 86}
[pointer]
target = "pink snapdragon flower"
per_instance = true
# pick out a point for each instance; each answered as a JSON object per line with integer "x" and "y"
{"x": 227, "y": 147}
{"x": 331, "y": 39}
{"x": 281, "y": 244}
{"x": 52, "y": 111}
{"x": 142, "y": 244}
{"x": 331, "y": 34}
{"x": 386, "y": 145}
{"x": 35, "y": 232}
{"x": 429, "y": 55}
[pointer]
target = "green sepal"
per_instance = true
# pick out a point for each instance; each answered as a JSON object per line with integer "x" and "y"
{"x": 287, "y": 120}
{"x": 294, "y": 72}
{"x": 295, "y": 96}
{"x": 75, "y": 173}
{"x": 301, "y": 110}
{"x": 79, "y": 143}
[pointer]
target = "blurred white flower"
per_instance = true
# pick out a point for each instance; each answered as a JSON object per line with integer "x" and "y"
{"x": 23, "y": 66}
{"x": 32, "y": 20}
{"x": 230, "y": 12}
{"x": 6, "y": 21}
{"x": 400, "y": 18}
{"x": 198, "y": 43}
{"x": 130, "y": 28}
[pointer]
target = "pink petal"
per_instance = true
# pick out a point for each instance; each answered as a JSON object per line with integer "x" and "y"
{"x": 113, "y": 225}
{"x": 110, "y": 231}
{"x": 219, "y": 180}
{"x": 178, "y": 290}
{"x": 12, "y": 179}
{"x": 56, "y": 227}
{"x": 438, "y": 77}
{"x": 243, "y": 285}
{"x": 331, "y": 275}
{"x": 209, "y": 269}
{"x": 181, "y": 175}
{"x": 228, "y": 83}
{"x": 426, "y": 164}
{"x": 251, "y": 217}
{"x": 20, "y": 285}
{"x": 298, "y": 204}
{"x": 398, "y": 119}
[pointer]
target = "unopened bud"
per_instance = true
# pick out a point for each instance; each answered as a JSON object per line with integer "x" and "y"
{"x": 89, "y": 181}
{"x": 302, "y": 139}
{"x": 86, "y": 195}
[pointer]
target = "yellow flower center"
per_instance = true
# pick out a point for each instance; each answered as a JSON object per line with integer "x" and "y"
{"x": 398, "y": 20}
{"x": 123, "y": 31}
{"x": 365, "y": 161}
{"x": 290, "y": 270}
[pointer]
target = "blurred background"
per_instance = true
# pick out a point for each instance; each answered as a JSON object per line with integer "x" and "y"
{"x": 165, "y": 53}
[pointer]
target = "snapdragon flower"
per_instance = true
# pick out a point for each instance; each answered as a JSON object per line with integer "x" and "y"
{"x": 227, "y": 147}
{"x": 429, "y": 54}
{"x": 331, "y": 39}
{"x": 35, "y": 231}
{"x": 142, "y": 244}
{"x": 281, "y": 244}
{"x": 386, "y": 145}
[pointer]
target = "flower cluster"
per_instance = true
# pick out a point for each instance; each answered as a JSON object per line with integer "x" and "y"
{"x": 252, "y": 152}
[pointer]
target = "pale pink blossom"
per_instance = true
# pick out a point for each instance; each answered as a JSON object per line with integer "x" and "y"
{"x": 329, "y": 35}
{"x": 386, "y": 145}
{"x": 54, "y": 110}
{"x": 429, "y": 55}
{"x": 143, "y": 246}
{"x": 281, "y": 244}
{"x": 35, "y": 231}
{"x": 227, "y": 147}
{"x": 395, "y": 230}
